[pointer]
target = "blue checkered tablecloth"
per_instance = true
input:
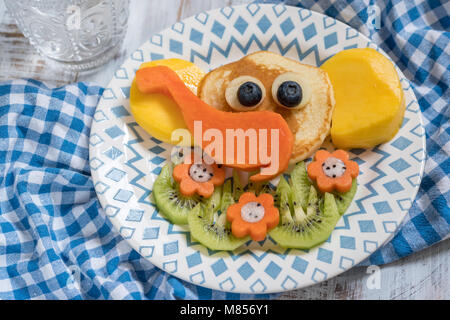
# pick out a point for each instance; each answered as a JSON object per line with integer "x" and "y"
{"x": 416, "y": 35}
{"x": 55, "y": 240}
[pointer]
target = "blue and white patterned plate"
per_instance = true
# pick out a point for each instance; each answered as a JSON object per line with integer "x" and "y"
{"x": 125, "y": 160}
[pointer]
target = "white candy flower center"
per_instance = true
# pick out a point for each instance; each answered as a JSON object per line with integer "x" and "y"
{"x": 252, "y": 212}
{"x": 201, "y": 172}
{"x": 333, "y": 167}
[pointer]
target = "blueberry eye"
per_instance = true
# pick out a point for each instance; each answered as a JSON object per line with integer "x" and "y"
{"x": 245, "y": 93}
{"x": 290, "y": 90}
{"x": 290, "y": 94}
{"x": 249, "y": 94}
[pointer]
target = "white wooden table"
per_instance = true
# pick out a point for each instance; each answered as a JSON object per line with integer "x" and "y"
{"x": 424, "y": 275}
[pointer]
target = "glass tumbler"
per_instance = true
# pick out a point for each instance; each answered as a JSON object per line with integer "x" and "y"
{"x": 79, "y": 34}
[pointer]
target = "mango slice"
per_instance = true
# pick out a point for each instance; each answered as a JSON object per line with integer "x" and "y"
{"x": 369, "y": 98}
{"x": 157, "y": 114}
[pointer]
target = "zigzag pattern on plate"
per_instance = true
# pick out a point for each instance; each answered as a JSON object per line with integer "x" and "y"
{"x": 245, "y": 49}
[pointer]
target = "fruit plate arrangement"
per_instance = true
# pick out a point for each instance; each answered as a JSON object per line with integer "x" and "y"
{"x": 125, "y": 160}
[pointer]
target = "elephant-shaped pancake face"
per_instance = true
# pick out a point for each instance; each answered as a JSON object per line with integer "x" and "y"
{"x": 309, "y": 119}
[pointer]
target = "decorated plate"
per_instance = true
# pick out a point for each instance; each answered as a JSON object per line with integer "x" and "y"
{"x": 125, "y": 160}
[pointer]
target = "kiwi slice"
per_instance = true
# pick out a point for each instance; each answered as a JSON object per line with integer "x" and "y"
{"x": 169, "y": 200}
{"x": 251, "y": 186}
{"x": 267, "y": 187}
{"x": 238, "y": 188}
{"x": 305, "y": 229}
{"x": 343, "y": 200}
{"x": 214, "y": 202}
{"x": 300, "y": 184}
{"x": 283, "y": 195}
{"x": 261, "y": 187}
{"x": 256, "y": 188}
{"x": 211, "y": 228}
{"x": 227, "y": 196}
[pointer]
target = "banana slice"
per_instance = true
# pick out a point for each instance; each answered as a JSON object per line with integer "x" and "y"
{"x": 291, "y": 90}
{"x": 245, "y": 93}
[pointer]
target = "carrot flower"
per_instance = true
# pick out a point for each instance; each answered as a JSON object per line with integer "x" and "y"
{"x": 333, "y": 171}
{"x": 253, "y": 216}
{"x": 200, "y": 178}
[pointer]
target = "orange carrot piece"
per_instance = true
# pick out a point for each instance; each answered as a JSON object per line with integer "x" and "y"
{"x": 257, "y": 230}
{"x": 329, "y": 184}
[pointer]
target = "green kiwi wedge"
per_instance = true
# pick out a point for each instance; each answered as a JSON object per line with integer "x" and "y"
{"x": 227, "y": 198}
{"x": 300, "y": 184}
{"x": 211, "y": 228}
{"x": 304, "y": 229}
{"x": 256, "y": 188}
{"x": 261, "y": 187}
{"x": 169, "y": 200}
{"x": 266, "y": 187}
{"x": 238, "y": 188}
{"x": 283, "y": 196}
{"x": 343, "y": 200}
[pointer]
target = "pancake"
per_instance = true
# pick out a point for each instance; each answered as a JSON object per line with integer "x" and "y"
{"x": 310, "y": 125}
